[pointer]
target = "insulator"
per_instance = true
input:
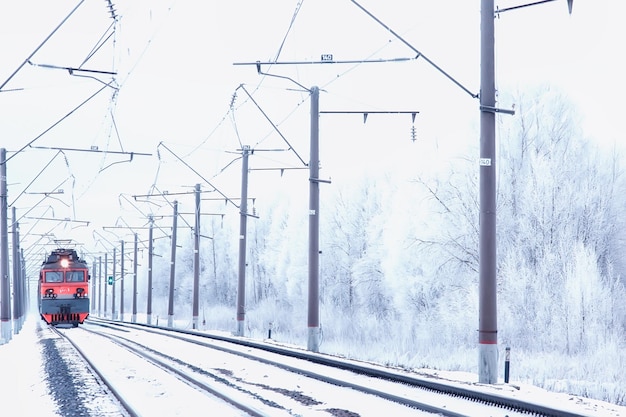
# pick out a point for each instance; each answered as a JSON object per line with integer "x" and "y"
{"x": 413, "y": 133}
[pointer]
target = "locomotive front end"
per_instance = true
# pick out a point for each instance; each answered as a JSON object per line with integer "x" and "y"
{"x": 64, "y": 288}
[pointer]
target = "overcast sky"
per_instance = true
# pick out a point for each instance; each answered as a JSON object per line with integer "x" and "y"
{"x": 176, "y": 82}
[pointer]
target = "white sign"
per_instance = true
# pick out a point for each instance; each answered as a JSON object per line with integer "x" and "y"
{"x": 484, "y": 162}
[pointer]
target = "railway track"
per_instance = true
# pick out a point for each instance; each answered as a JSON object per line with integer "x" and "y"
{"x": 147, "y": 383}
{"x": 264, "y": 379}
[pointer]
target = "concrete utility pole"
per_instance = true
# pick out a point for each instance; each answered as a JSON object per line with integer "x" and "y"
{"x": 196, "y": 260}
{"x": 100, "y": 284}
{"x": 487, "y": 298}
{"x": 243, "y": 221}
{"x": 122, "y": 274}
{"x": 150, "y": 250}
{"x": 92, "y": 294}
{"x": 106, "y": 276}
{"x": 25, "y": 287}
{"x": 5, "y": 294}
{"x": 170, "y": 309}
{"x": 113, "y": 311}
{"x": 487, "y": 315}
{"x": 314, "y": 226}
{"x": 17, "y": 293}
{"x": 134, "y": 316}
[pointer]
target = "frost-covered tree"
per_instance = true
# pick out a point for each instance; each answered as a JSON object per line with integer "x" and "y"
{"x": 559, "y": 213}
{"x": 558, "y": 210}
{"x": 222, "y": 258}
{"x": 353, "y": 278}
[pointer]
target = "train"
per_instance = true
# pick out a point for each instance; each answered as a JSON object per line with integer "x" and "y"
{"x": 64, "y": 288}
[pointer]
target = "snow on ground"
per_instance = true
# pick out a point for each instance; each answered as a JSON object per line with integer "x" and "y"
{"x": 23, "y": 381}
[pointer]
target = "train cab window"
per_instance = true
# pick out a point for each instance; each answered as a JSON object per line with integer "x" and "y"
{"x": 75, "y": 276}
{"x": 54, "y": 276}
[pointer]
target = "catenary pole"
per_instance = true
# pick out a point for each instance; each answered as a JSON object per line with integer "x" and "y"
{"x": 150, "y": 249}
{"x": 487, "y": 315}
{"x": 99, "y": 285}
{"x": 134, "y": 316}
{"x": 314, "y": 227}
{"x": 196, "y": 260}
{"x": 25, "y": 286}
{"x": 170, "y": 308}
{"x": 106, "y": 270}
{"x": 243, "y": 220}
{"x": 17, "y": 298}
{"x": 113, "y": 310}
{"x": 122, "y": 275}
{"x": 5, "y": 295}
{"x": 92, "y": 294}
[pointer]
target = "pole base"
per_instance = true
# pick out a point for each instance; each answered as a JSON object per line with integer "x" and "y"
{"x": 6, "y": 332}
{"x": 487, "y": 363}
{"x": 240, "y": 328}
{"x": 314, "y": 339}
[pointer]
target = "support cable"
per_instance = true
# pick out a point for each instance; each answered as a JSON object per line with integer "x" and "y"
{"x": 198, "y": 174}
{"x": 273, "y": 125}
{"x": 35, "y": 178}
{"x": 419, "y": 54}
{"x": 56, "y": 123}
{"x": 40, "y": 45}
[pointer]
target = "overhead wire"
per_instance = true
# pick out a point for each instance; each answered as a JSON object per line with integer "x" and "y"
{"x": 298, "y": 7}
{"x": 108, "y": 33}
{"x": 119, "y": 81}
{"x": 230, "y": 113}
{"x": 41, "y": 45}
{"x": 34, "y": 206}
{"x": 293, "y": 19}
{"x": 103, "y": 39}
{"x": 197, "y": 173}
{"x": 56, "y": 123}
{"x": 34, "y": 179}
{"x": 147, "y": 46}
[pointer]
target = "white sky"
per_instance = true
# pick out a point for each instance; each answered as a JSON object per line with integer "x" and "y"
{"x": 174, "y": 61}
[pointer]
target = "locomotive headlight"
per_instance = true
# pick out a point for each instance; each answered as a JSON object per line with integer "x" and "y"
{"x": 79, "y": 292}
{"x": 49, "y": 292}
{"x": 65, "y": 262}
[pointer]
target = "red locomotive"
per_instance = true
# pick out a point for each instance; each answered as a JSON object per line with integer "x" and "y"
{"x": 64, "y": 288}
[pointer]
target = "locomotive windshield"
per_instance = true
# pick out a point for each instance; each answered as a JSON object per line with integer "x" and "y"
{"x": 75, "y": 276}
{"x": 54, "y": 276}
{"x": 70, "y": 276}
